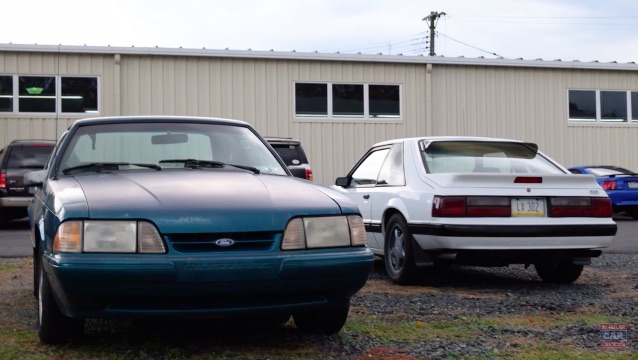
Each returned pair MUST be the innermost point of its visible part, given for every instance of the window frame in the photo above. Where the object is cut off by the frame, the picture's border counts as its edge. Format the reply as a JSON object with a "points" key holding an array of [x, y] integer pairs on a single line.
{"points": [[632, 114], [330, 117], [58, 97]]}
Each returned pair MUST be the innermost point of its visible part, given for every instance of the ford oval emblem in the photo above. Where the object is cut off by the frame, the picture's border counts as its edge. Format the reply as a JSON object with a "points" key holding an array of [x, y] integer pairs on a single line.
{"points": [[225, 242]]}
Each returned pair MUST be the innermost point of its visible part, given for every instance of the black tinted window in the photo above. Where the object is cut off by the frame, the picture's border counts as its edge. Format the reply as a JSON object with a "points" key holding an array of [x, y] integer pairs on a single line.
{"points": [[311, 99], [79, 94], [29, 156], [290, 154], [613, 105], [347, 100], [582, 104], [37, 93], [6, 93], [384, 101]]}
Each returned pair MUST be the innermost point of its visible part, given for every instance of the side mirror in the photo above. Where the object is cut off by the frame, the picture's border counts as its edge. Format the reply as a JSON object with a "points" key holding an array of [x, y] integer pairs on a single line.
{"points": [[343, 181], [35, 178]]}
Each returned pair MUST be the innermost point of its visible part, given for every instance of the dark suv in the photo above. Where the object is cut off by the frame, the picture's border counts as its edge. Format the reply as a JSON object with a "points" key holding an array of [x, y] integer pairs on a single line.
{"points": [[16, 159], [292, 154]]}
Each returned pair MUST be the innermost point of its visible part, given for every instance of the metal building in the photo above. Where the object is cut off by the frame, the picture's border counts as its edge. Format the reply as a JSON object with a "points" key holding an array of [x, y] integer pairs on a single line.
{"points": [[336, 104]]}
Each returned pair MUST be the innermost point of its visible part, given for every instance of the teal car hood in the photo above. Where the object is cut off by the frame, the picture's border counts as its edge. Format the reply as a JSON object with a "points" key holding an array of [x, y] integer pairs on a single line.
{"points": [[199, 200]]}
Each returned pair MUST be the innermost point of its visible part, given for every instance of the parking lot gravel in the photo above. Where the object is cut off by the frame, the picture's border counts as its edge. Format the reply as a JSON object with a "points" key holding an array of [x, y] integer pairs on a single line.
{"points": [[456, 312]]}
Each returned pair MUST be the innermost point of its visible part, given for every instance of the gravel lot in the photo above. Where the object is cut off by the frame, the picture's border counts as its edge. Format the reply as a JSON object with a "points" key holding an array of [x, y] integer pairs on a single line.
{"points": [[463, 312], [607, 288]]}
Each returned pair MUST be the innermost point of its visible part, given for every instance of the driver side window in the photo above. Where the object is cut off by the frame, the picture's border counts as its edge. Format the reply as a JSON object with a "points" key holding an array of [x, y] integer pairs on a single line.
{"points": [[367, 172]]}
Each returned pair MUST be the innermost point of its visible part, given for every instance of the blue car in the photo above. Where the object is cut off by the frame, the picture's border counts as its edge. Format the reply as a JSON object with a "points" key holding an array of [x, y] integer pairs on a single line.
{"points": [[168, 216], [620, 184]]}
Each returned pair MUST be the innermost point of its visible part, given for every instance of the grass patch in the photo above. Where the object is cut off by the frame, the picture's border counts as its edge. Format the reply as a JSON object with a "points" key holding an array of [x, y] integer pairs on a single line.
{"points": [[557, 352], [7, 266]]}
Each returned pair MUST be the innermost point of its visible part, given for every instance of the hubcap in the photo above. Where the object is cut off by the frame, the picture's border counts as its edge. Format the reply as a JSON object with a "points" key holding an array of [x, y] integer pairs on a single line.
{"points": [[397, 250]]}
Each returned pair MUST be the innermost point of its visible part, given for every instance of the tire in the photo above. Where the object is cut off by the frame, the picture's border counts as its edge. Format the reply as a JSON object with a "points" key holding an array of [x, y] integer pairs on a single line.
{"points": [[398, 252], [53, 326], [558, 273], [328, 321], [36, 272]]}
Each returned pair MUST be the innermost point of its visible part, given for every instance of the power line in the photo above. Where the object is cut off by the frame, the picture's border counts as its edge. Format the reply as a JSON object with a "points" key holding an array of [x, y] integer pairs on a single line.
{"points": [[461, 42]]}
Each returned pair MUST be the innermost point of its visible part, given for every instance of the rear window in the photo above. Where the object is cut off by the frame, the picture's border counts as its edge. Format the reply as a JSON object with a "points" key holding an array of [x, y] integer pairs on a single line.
{"points": [[290, 154], [31, 157], [484, 157]]}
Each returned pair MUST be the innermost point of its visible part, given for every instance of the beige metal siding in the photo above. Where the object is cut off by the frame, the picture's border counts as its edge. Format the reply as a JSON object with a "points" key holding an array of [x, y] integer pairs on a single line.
{"points": [[531, 105], [499, 101], [260, 92], [48, 126]]}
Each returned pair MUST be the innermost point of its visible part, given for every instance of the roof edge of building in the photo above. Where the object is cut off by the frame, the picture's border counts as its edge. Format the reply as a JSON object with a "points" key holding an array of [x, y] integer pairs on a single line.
{"points": [[317, 56]]}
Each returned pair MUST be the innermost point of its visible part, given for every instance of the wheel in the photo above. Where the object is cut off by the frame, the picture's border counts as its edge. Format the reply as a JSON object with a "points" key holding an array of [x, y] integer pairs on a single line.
{"points": [[559, 273], [328, 321], [398, 252], [53, 326]]}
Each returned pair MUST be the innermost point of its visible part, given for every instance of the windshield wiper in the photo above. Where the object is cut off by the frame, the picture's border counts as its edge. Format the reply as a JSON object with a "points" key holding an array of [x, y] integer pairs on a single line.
{"points": [[194, 163], [110, 166]]}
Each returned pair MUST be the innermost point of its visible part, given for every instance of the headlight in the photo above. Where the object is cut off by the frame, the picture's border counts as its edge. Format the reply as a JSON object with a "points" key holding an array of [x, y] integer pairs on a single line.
{"points": [[324, 232], [108, 237]]}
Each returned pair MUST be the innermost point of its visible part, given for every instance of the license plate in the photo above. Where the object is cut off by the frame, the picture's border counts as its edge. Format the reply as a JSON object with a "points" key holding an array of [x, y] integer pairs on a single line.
{"points": [[632, 185], [528, 207]]}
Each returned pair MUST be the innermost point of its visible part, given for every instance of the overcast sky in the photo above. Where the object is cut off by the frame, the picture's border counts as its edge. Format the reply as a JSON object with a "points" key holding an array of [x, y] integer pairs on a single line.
{"points": [[584, 30]]}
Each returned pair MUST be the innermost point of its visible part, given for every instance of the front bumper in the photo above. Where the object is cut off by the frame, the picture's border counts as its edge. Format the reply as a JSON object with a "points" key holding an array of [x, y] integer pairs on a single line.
{"points": [[89, 285]]}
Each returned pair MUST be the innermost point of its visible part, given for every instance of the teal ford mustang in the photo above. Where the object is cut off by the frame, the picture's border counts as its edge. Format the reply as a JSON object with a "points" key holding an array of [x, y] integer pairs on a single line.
{"points": [[184, 216]]}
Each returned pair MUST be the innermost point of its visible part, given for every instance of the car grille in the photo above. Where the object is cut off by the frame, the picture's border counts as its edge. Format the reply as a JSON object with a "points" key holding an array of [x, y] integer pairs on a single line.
{"points": [[206, 242]]}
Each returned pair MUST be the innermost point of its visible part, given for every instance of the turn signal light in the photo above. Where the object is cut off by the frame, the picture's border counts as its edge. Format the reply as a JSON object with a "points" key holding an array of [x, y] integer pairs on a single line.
{"points": [[3, 181], [309, 176]]}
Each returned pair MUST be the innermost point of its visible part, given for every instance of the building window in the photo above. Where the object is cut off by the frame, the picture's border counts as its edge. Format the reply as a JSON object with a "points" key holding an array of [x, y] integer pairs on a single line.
{"points": [[582, 105], [634, 106], [311, 99], [384, 101], [602, 106], [79, 95], [613, 105], [349, 101], [6, 93], [36, 94], [49, 94]]}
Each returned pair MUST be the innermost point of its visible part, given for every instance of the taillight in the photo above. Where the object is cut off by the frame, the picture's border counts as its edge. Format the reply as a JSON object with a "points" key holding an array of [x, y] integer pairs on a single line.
{"points": [[609, 185], [489, 206], [580, 207], [309, 174], [475, 206], [528, 180], [3, 181], [448, 206]]}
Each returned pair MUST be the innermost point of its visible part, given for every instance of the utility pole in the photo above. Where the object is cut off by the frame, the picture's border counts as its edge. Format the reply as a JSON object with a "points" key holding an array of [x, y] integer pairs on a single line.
{"points": [[431, 21]]}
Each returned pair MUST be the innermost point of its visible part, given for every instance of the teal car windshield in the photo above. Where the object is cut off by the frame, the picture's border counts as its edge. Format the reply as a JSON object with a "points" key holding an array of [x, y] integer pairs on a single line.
{"points": [[166, 145]]}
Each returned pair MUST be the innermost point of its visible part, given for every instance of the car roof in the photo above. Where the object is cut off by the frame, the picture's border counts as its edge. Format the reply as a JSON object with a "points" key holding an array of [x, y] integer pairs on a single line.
{"points": [[160, 118], [33, 142], [445, 138], [282, 140]]}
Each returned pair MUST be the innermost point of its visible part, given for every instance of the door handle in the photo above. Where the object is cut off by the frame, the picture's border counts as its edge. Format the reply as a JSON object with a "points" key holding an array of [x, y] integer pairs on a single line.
{"points": [[366, 196]]}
